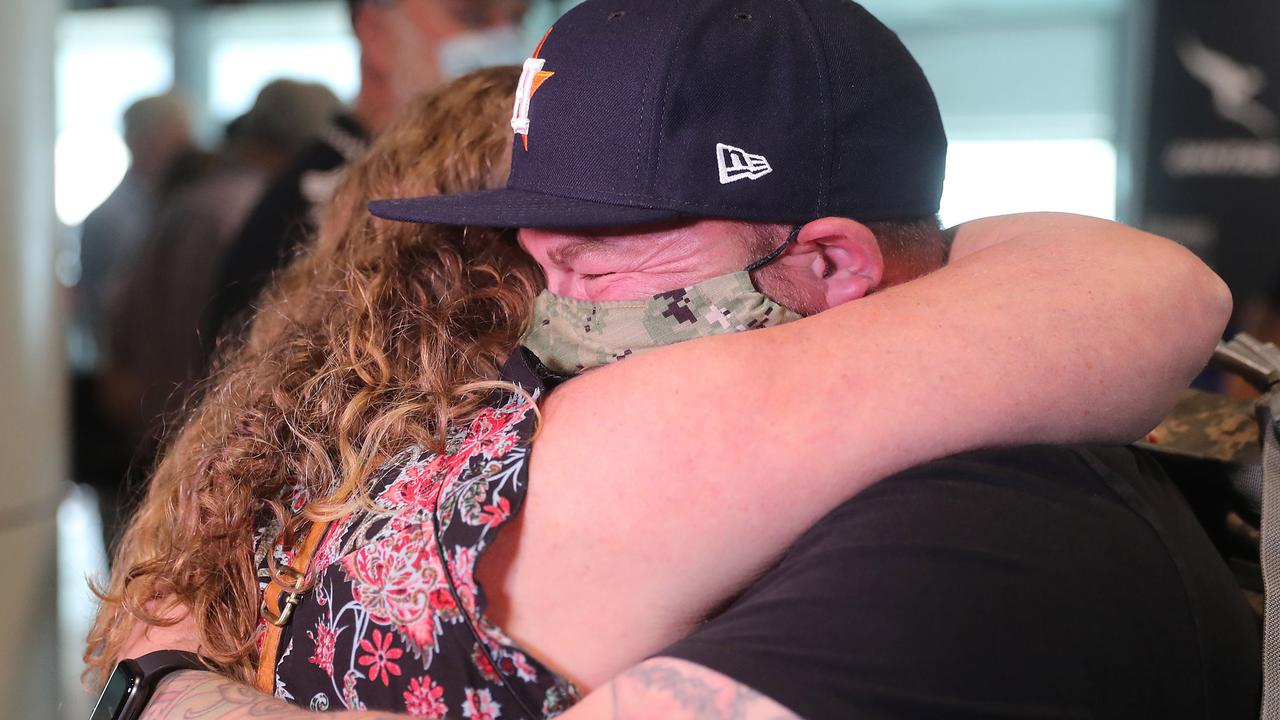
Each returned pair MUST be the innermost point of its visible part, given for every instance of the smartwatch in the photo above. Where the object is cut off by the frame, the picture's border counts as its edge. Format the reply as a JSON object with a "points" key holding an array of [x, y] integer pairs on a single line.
{"points": [[132, 682]]}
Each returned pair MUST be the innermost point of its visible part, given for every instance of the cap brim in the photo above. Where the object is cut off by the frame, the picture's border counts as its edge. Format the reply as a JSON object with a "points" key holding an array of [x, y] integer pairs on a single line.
{"points": [[510, 208]]}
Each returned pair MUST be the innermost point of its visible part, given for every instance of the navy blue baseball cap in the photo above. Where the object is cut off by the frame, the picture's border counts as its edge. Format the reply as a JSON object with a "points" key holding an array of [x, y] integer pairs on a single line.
{"points": [[634, 112]]}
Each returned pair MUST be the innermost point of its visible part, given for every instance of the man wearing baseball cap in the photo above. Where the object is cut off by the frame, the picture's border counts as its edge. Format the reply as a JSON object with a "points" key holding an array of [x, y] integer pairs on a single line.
{"points": [[724, 165]]}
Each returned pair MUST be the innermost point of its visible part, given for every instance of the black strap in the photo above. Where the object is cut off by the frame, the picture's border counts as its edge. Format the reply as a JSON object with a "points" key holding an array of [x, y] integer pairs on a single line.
{"points": [[157, 664], [764, 261]]}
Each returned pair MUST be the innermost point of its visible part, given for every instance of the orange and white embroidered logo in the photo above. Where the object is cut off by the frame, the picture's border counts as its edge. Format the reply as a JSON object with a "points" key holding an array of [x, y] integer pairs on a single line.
{"points": [[530, 81]]}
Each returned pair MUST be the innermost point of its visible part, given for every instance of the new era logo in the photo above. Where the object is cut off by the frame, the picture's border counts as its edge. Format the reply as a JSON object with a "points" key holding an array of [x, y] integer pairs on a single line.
{"points": [[738, 164]]}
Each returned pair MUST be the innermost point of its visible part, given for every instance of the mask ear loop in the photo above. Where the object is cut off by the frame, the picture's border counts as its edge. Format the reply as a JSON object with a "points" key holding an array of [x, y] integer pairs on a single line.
{"points": [[767, 259]]}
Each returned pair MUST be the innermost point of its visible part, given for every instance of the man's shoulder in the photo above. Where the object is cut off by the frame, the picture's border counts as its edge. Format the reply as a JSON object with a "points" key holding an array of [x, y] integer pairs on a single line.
{"points": [[120, 213], [1029, 497], [986, 482], [1046, 461], [940, 588], [325, 157], [285, 202], [319, 157]]}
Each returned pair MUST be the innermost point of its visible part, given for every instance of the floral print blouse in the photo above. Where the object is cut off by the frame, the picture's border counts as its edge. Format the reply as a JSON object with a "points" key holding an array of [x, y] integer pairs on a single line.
{"points": [[395, 620]]}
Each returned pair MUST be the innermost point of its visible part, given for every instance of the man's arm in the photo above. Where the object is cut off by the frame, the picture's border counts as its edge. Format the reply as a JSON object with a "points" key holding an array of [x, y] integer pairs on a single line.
{"points": [[658, 689], [661, 689], [207, 696], [1068, 329], [671, 689]]}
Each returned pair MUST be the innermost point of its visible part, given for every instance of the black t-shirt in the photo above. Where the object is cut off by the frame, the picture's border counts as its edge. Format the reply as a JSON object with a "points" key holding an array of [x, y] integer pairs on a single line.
{"points": [[280, 223], [1028, 583]]}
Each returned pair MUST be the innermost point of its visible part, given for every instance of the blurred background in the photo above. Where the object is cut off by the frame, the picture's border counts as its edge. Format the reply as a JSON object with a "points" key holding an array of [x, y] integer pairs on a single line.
{"points": [[140, 139]]}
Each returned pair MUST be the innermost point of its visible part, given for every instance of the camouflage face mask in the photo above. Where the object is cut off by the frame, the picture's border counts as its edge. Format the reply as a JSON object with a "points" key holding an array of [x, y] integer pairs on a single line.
{"points": [[571, 336]]}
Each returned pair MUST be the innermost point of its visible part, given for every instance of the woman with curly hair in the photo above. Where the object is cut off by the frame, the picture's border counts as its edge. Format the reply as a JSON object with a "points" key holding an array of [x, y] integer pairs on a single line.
{"points": [[380, 401]]}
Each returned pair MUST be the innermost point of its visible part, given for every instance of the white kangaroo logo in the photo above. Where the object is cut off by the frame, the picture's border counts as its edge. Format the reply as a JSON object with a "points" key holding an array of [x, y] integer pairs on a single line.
{"points": [[1235, 86]]}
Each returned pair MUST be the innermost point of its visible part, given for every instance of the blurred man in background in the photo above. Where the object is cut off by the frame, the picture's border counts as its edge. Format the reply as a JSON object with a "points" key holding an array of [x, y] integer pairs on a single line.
{"points": [[158, 134], [406, 46], [155, 353], [157, 131]]}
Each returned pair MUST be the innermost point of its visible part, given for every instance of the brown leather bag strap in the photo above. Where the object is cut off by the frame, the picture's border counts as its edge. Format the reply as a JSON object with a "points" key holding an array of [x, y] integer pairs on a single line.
{"points": [[278, 603]]}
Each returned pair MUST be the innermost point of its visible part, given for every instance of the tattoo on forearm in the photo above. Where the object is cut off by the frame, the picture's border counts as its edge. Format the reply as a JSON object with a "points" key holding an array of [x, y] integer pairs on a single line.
{"points": [[693, 694], [677, 689], [662, 688], [205, 696]]}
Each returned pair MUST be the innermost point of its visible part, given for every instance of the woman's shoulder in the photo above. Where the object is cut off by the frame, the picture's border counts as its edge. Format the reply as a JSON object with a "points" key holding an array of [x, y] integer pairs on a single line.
{"points": [[398, 618], [464, 489]]}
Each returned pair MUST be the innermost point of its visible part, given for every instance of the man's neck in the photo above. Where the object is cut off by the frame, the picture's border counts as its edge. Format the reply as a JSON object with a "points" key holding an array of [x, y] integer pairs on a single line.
{"points": [[377, 103], [371, 109]]}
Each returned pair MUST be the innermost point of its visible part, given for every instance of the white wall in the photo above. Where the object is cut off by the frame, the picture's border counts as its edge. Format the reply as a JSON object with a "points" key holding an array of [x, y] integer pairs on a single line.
{"points": [[32, 465]]}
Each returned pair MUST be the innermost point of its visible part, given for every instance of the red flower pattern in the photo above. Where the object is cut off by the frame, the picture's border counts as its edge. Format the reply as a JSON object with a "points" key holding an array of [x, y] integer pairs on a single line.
{"points": [[480, 705], [296, 497], [324, 638], [381, 657], [442, 601], [415, 489], [393, 579], [462, 566], [524, 670], [496, 514], [489, 436], [425, 699], [386, 569], [481, 660]]}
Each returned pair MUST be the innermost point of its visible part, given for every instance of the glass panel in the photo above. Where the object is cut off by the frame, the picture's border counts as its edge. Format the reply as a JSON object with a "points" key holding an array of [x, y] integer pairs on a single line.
{"points": [[251, 46], [106, 60], [999, 177]]}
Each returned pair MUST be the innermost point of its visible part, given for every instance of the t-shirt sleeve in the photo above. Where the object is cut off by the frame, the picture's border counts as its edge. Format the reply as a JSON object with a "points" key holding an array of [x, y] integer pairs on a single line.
{"points": [[1009, 584]]}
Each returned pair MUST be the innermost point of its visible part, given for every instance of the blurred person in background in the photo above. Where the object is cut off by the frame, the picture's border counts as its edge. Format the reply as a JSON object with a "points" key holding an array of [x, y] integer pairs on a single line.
{"points": [[406, 46], [158, 134], [155, 352]]}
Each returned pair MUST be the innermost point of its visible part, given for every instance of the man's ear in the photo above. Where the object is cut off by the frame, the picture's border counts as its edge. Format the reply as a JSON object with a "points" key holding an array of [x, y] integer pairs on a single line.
{"points": [[846, 258]]}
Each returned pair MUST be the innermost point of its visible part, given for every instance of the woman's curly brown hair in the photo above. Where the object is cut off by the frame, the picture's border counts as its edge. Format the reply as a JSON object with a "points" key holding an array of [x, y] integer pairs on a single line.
{"points": [[378, 337]]}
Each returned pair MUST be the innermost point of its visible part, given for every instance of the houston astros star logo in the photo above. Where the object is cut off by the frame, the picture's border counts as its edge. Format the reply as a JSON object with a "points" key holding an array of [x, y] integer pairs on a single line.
{"points": [[530, 81]]}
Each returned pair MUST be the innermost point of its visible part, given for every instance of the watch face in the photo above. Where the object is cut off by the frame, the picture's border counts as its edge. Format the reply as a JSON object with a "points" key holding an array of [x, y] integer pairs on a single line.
{"points": [[119, 687]]}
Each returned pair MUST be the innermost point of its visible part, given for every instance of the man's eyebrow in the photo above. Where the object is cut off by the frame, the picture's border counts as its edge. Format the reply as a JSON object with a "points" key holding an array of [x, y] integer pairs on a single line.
{"points": [[568, 252]]}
